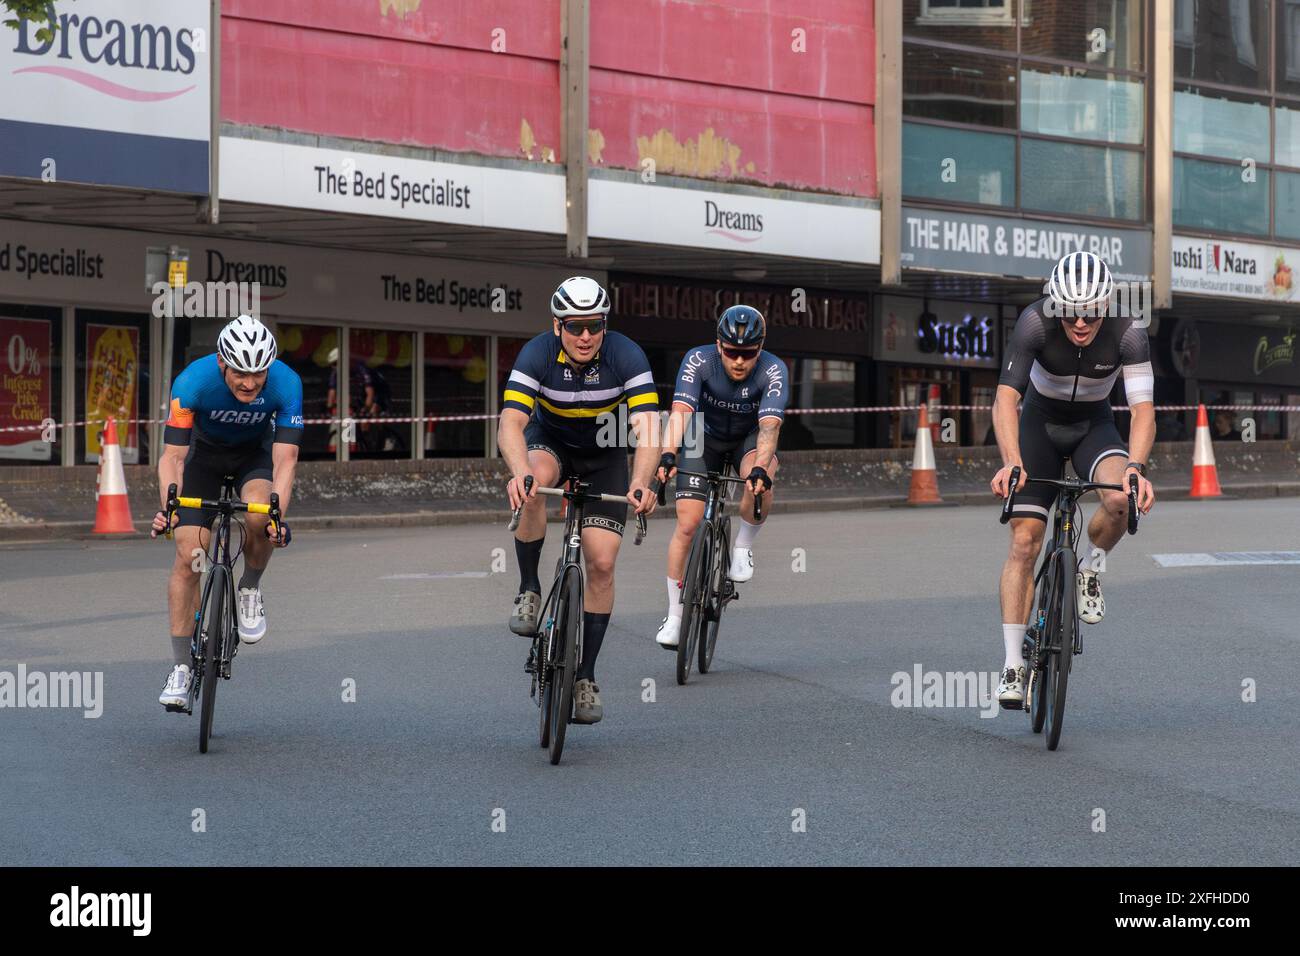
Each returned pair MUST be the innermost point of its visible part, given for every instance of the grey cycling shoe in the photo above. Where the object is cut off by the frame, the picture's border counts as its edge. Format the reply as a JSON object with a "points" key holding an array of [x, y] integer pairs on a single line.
{"points": [[523, 620], [586, 702]]}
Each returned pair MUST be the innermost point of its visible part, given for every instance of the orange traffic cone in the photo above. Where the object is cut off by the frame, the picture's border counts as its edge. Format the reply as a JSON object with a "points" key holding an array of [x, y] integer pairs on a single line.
{"points": [[932, 403], [925, 479], [1205, 473], [113, 509]]}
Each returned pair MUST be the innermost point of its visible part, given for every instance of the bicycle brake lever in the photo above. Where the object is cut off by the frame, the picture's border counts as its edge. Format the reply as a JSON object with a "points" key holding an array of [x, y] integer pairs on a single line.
{"points": [[1133, 513], [1011, 495], [515, 515]]}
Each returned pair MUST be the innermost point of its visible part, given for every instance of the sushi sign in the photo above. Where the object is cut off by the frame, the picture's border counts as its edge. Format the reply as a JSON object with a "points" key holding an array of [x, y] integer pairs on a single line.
{"points": [[1236, 269]]}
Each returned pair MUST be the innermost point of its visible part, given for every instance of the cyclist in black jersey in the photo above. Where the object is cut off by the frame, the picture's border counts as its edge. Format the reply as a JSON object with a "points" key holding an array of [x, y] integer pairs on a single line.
{"points": [[565, 381], [1065, 355]]}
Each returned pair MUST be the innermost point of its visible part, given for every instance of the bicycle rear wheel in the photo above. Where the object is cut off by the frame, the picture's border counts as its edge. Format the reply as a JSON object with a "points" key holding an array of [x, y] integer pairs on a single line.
{"points": [[211, 628], [568, 618], [714, 602], [694, 593], [1058, 668]]}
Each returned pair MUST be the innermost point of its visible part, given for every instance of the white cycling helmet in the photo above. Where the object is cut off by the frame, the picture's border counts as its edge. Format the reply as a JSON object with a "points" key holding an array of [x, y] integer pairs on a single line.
{"points": [[579, 295], [1079, 281], [246, 345]]}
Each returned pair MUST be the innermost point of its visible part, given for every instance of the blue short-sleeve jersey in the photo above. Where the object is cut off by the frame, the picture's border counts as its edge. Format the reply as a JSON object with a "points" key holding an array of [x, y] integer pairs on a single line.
{"points": [[731, 409], [202, 400]]}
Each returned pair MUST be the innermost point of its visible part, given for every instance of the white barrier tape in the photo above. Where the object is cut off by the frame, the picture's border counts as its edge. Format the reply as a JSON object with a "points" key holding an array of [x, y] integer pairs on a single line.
{"points": [[857, 409]]}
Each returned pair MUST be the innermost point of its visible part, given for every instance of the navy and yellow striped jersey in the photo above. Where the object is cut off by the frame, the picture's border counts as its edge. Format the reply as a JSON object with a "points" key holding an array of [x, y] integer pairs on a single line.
{"points": [[567, 399]]}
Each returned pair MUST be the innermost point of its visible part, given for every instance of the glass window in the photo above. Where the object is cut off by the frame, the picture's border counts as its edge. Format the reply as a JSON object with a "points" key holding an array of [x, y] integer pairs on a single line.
{"points": [[507, 351], [381, 384], [1222, 41], [31, 386], [819, 383], [983, 23], [1286, 123], [983, 168], [1212, 196], [113, 368], [1288, 46], [313, 352], [455, 383], [959, 87], [1100, 106], [1212, 123], [1081, 180], [1098, 32], [1286, 218]]}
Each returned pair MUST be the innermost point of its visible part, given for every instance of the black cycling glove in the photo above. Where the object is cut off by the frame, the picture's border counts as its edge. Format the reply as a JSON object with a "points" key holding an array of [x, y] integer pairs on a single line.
{"points": [[760, 474]]}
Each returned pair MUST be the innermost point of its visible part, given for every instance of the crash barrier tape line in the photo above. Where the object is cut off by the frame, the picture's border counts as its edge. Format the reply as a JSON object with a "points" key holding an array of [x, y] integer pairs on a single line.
{"points": [[789, 411]]}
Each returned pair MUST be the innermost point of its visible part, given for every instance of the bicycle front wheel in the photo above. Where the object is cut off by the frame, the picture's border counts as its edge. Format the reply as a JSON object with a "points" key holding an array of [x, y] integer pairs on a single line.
{"points": [[568, 618], [1058, 668], [694, 606], [714, 601], [211, 626]]}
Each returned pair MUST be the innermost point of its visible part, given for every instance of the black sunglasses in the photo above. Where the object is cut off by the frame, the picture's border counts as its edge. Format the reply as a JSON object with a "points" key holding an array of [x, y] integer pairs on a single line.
{"points": [[576, 327], [734, 354]]}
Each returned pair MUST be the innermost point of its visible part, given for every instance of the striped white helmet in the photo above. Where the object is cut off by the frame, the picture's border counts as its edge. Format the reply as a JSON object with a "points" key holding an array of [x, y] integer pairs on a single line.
{"points": [[1080, 280], [246, 345], [579, 295]]}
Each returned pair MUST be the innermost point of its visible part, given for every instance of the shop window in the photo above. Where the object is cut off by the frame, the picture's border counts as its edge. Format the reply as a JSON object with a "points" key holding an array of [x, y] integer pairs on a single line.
{"points": [[507, 351], [985, 23], [982, 165], [1211, 196], [1097, 32], [312, 351], [455, 383], [113, 380], [31, 383], [1081, 180], [381, 384], [819, 383], [1288, 46], [1286, 221], [1214, 123], [1097, 106], [1227, 40], [959, 86]]}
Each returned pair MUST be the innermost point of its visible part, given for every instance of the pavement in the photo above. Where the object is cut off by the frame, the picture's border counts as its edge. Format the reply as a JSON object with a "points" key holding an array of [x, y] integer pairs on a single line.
{"points": [[791, 751]]}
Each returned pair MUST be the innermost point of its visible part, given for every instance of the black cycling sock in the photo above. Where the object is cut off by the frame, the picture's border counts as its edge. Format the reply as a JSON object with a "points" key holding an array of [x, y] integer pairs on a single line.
{"points": [[593, 635], [251, 576], [529, 553], [181, 650]]}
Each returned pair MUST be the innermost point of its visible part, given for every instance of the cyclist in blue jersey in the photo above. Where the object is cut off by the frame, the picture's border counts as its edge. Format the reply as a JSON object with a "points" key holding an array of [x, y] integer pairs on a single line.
{"points": [[236, 412], [741, 390], [565, 381]]}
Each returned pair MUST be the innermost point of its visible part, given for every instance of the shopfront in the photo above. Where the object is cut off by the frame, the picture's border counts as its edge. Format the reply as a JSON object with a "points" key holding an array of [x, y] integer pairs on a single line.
{"points": [[372, 336], [934, 350], [823, 337]]}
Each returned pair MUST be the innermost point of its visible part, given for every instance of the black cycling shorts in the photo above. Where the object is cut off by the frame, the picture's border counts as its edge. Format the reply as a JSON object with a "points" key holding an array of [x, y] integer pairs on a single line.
{"points": [[1047, 440], [605, 469], [711, 455], [207, 464]]}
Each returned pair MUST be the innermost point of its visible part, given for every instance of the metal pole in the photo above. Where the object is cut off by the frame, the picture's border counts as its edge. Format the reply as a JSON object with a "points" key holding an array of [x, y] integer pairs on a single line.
{"points": [[574, 61]]}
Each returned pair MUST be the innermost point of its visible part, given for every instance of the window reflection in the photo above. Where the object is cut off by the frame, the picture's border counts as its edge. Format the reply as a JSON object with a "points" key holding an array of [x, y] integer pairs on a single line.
{"points": [[1213, 123], [1100, 106], [1212, 196], [984, 168], [1222, 41], [1085, 180]]}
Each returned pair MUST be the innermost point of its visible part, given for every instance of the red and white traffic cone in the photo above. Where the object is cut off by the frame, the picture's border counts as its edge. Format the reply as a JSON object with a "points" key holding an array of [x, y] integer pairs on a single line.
{"points": [[925, 477], [932, 401], [113, 508], [1205, 473]]}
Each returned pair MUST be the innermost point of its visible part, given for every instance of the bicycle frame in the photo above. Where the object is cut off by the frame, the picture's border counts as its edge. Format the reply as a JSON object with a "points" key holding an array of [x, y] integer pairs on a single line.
{"points": [[570, 557]]}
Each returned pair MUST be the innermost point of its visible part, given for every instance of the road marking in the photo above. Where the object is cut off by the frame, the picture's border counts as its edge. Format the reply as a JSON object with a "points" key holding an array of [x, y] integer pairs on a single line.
{"points": [[432, 575], [1206, 559]]}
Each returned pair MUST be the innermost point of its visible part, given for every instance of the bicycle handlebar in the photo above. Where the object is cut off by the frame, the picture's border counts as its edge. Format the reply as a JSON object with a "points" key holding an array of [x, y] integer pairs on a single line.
{"points": [[719, 477], [575, 496], [1082, 487], [231, 506]]}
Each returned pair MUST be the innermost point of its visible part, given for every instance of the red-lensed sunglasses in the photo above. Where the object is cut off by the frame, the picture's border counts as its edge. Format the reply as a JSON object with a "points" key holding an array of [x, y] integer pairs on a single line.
{"points": [[576, 327], [735, 354]]}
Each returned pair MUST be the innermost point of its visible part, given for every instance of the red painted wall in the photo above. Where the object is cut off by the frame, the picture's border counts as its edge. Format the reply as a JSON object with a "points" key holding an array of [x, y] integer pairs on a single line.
{"points": [[706, 88]]}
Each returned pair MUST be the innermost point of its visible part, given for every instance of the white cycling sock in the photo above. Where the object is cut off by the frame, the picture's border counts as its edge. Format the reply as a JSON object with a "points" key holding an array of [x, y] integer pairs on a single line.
{"points": [[745, 536], [1085, 559], [674, 598], [1013, 636]]}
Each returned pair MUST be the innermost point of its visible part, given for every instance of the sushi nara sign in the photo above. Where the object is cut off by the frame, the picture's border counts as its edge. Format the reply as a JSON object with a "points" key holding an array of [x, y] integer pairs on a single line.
{"points": [[1237, 269]]}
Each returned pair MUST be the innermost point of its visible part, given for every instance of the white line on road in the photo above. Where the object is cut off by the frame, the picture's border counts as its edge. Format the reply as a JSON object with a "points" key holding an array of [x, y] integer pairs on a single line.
{"points": [[1205, 559]]}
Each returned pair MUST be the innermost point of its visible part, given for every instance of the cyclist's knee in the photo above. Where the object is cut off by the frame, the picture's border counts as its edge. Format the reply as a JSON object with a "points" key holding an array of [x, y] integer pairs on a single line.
{"points": [[1115, 503], [687, 523], [1026, 540], [600, 566]]}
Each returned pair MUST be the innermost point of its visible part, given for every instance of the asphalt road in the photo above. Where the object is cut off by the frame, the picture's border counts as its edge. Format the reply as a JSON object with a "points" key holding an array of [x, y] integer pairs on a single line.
{"points": [[794, 725]]}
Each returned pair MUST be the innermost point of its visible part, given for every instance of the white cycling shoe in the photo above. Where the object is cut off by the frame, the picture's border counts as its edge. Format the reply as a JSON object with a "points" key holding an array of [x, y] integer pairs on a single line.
{"points": [[252, 615], [669, 632], [178, 689], [1092, 606], [742, 565], [1011, 688]]}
